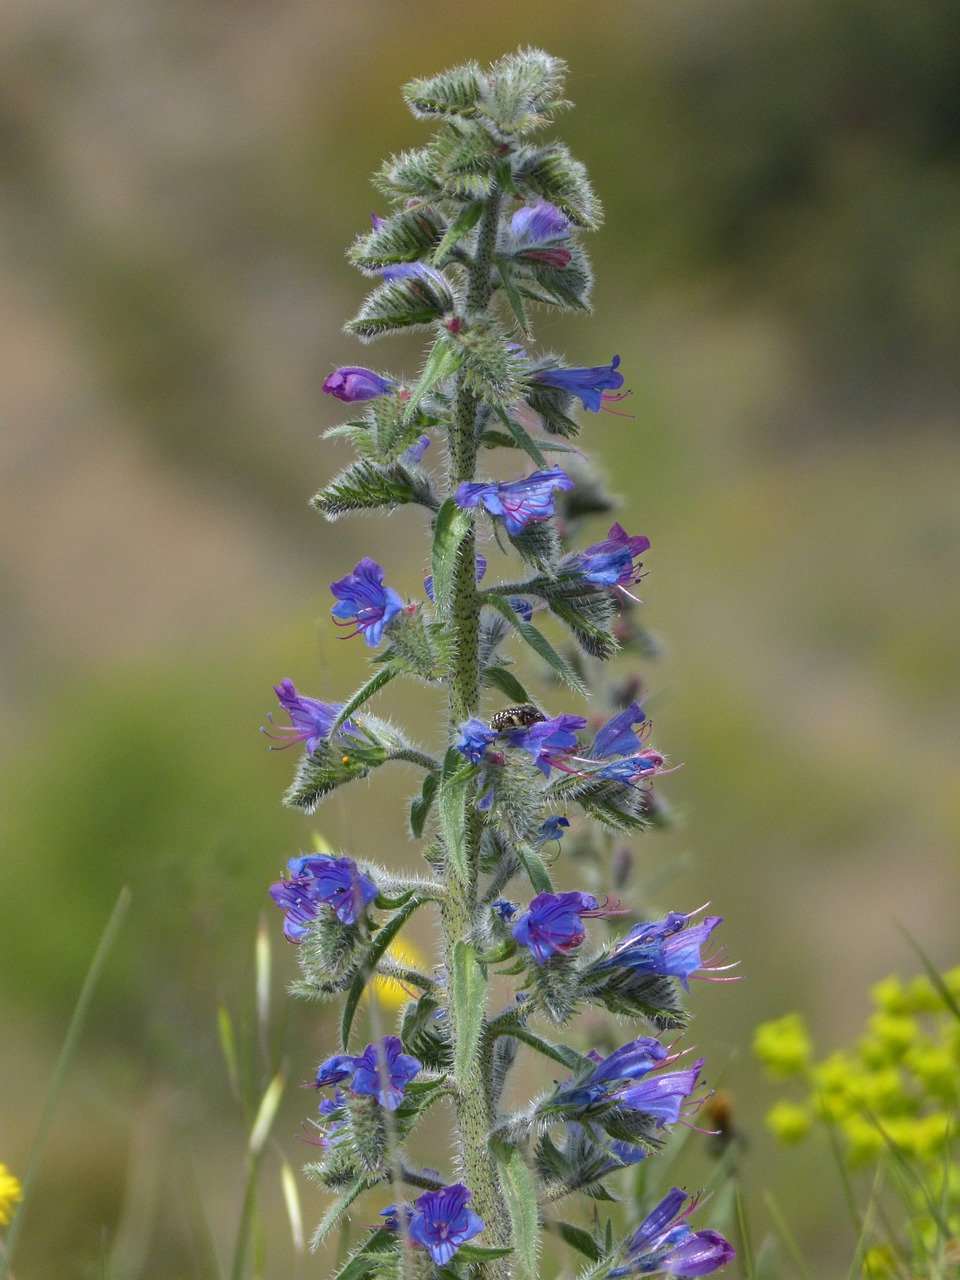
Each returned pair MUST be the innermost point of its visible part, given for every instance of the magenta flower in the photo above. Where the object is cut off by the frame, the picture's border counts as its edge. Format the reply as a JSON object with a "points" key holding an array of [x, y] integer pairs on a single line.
{"points": [[352, 384], [365, 603], [592, 387], [663, 1244], [553, 924], [517, 502], [310, 720], [442, 1221], [661, 1095]]}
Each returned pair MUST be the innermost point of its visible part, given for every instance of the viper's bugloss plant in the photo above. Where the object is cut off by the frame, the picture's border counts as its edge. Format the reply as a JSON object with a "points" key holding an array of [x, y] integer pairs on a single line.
{"points": [[484, 223], [893, 1102]]}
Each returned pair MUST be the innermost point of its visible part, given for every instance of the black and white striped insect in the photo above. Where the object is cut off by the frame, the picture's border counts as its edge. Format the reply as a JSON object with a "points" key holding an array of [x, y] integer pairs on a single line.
{"points": [[521, 717]]}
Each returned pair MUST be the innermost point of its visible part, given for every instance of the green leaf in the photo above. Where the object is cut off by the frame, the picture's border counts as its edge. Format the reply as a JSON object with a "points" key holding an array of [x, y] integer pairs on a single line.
{"points": [[369, 963], [578, 1239], [513, 297], [500, 678], [365, 486], [520, 1193], [538, 642], [369, 1258], [468, 986], [455, 92], [480, 1252], [403, 237], [561, 1053], [465, 221], [373, 685], [420, 808], [442, 361], [336, 1211], [532, 864], [449, 531], [329, 767], [410, 302], [522, 439], [453, 814]]}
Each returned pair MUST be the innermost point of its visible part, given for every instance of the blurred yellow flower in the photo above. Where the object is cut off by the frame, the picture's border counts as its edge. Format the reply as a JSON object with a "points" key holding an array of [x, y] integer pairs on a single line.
{"points": [[391, 993], [10, 1193]]}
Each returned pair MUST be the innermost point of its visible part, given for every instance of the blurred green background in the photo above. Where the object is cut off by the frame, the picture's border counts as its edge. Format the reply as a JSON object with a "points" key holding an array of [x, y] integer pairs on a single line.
{"points": [[780, 274]]}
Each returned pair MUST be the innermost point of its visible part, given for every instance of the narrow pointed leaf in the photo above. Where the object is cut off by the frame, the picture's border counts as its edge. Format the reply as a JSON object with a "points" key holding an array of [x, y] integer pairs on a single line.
{"points": [[375, 951], [442, 361], [465, 221], [420, 808], [532, 864], [578, 1239], [498, 677], [376, 682], [537, 641], [336, 1211], [450, 528], [468, 985], [453, 815], [520, 1193], [561, 1053]]}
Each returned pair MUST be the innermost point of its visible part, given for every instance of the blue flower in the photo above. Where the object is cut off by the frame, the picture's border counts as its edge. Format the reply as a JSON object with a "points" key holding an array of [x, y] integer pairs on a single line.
{"points": [[533, 231], [339, 1067], [383, 1071], [416, 450], [518, 502], [631, 769], [475, 737], [442, 1221], [590, 386], [664, 1244], [617, 737], [363, 600], [660, 1096], [317, 882], [504, 910], [310, 720], [352, 384], [551, 829], [630, 1062], [669, 947], [553, 924], [547, 739], [610, 563]]}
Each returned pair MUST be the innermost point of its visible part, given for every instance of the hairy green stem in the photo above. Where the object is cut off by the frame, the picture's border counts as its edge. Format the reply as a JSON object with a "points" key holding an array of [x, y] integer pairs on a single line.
{"points": [[459, 908]]}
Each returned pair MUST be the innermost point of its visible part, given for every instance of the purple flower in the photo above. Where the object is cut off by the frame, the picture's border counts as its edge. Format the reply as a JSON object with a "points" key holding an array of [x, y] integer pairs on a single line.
{"points": [[610, 563], [630, 1062], [383, 1071], [669, 947], [532, 231], [547, 739], [310, 721], [551, 829], [617, 737], [518, 502], [363, 600], [416, 450], [630, 770], [428, 580], [661, 1095], [522, 608], [590, 386], [415, 271], [442, 1222], [475, 737], [664, 1244], [317, 882], [352, 384], [553, 924], [339, 1067], [538, 223]]}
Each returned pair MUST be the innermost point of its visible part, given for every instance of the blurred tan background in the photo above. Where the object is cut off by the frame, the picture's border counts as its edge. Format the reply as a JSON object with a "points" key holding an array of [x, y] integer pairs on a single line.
{"points": [[780, 274]]}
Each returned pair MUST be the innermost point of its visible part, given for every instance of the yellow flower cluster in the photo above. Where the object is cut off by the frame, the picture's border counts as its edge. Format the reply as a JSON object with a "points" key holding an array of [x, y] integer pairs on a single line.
{"points": [[10, 1193], [896, 1093]]}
